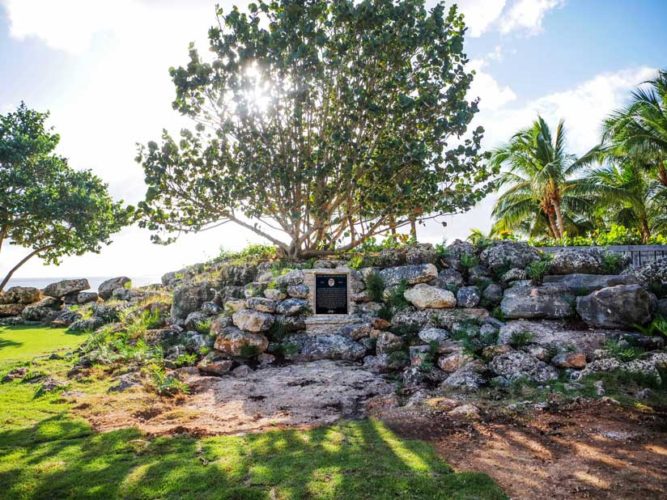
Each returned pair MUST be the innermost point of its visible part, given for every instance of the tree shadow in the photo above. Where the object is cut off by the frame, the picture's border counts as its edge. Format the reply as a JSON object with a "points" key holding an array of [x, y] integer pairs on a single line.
{"points": [[61, 457], [9, 343]]}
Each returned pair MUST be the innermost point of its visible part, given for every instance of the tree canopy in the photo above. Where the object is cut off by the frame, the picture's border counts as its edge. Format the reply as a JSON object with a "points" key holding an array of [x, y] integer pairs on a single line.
{"points": [[319, 125], [46, 205]]}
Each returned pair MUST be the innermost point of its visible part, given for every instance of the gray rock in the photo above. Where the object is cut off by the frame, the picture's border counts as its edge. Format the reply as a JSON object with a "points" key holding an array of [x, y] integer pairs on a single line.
{"points": [[11, 310], [253, 321], [554, 335], [214, 364], [514, 274], [86, 297], [20, 295], [324, 346], [420, 253], [65, 287], [298, 291], [196, 320], [85, 325], [449, 279], [455, 251], [290, 323], [467, 378], [424, 296], [649, 366], [292, 278], [453, 362], [388, 342], [106, 288], [413, 274], [616, 307], [432, 334], [357, 331], [492, 295], [509, 254], [661, 308], [211, 308], [436, 317], [575, 360], [533, 302], [517, 365], [292, 307], [234, 342], [652, 275], [261, 304], [583, 284], [384, 363], [241, 371], [578, 260], [190, 297], [65, 318], [255, 289], [125, 382], [468, 296], [275, 294]]}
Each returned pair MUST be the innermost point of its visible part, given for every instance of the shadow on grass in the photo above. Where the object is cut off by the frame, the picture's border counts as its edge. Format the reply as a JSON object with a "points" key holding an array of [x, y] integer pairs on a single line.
{"points": [[9, 343], [62, 457]]}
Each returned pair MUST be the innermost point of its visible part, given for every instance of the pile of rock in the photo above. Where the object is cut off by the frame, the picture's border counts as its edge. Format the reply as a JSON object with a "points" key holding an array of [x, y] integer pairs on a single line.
{"points": [[467, 318]]}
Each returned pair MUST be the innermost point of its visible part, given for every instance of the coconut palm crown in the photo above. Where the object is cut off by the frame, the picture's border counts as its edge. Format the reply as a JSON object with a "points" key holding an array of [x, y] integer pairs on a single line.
{"points": [[543, 196]]}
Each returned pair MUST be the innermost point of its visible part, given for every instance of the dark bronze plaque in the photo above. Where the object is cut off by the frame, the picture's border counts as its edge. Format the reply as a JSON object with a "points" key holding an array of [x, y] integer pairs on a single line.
{"points": [[331, 294]]}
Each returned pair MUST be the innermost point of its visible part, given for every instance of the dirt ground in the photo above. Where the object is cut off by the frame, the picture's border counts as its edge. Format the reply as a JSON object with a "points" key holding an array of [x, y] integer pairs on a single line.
{"points": [[585, 449], [581, 450]]}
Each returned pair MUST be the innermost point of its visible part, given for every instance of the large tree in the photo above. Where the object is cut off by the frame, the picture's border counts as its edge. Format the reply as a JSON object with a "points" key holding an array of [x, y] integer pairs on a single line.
{"points": [[640, 129], [47, 207], [543, 195], [320, 124]]}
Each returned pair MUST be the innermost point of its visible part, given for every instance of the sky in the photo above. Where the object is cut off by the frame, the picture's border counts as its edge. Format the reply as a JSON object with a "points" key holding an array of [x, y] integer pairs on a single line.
{"points": [[101, 68]]}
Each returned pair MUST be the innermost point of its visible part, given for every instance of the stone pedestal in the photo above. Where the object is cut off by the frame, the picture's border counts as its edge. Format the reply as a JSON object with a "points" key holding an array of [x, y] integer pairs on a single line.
{"points": [[328, 323]]}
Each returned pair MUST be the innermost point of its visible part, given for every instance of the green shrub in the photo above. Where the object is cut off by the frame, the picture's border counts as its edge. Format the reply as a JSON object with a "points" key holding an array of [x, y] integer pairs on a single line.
{"points": [[166, 385], [656, 327], [612, 263], [397, 298], [385, 312], [468, 261], [623, 351], [249, 351], [537, 269], [204, 326], [375, 286], [251, 253], [520, 339], [185, 359]]}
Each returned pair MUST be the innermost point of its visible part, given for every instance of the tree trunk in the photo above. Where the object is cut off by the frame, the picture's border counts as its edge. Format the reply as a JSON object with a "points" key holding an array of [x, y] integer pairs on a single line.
{"points": [[644, 229], [413, 228], [662, 174], [559, 219], [552, 225], [21, 262]]}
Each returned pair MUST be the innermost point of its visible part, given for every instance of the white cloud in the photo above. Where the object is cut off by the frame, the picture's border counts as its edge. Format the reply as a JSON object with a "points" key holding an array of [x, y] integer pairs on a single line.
{"points": [[492, 95], [527, 15], [481, 14]]}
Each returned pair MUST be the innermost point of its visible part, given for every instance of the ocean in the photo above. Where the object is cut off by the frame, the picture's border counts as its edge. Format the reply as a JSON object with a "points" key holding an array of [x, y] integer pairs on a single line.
{"points": [[94, 281]]}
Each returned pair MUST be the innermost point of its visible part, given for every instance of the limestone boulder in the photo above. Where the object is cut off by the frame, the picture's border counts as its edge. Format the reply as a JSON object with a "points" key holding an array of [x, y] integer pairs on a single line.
{"points": [[579, 261], [554, 335], [234, 342], [455, 251], [574, 360], [450, 279], [432, 334], [9, 310], [468, 378], [412, 274], [43, 310], [292, 307], [618, 306], [66, 287], [442, 318], [509, 254], [106, 288], [20, 295], [492, 295], [323, 346], [388, 342], [384, 363], [424, 296], [86, 297], [526, 301], [298, 291], [516, 365], [261, 304], [453, 362], [190, 297], [652, 275], [253, 321], [468, 296], [583, 284]]}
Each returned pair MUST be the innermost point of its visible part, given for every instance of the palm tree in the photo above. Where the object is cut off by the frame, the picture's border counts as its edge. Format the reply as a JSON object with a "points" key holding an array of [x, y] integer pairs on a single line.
{"points": [[641, 128], [624, 193], [539, 176]]}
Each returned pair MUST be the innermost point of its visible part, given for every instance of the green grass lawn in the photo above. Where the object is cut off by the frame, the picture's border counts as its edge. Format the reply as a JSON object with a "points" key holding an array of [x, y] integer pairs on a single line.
{"points": [[24, 343], [46, 452]]}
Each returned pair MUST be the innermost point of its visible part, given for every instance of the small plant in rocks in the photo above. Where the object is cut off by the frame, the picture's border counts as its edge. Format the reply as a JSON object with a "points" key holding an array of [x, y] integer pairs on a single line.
{"points": [[520, 339], [166, 385], [375, 286], [537, 269], [623, 351]]}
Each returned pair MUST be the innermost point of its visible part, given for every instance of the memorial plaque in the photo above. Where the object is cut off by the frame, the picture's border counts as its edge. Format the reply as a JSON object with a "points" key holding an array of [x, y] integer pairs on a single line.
{"points": [[331, 294]]}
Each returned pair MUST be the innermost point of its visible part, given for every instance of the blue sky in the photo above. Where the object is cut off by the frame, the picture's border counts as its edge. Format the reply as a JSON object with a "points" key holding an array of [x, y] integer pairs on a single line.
{"points": [[100, 67]]}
